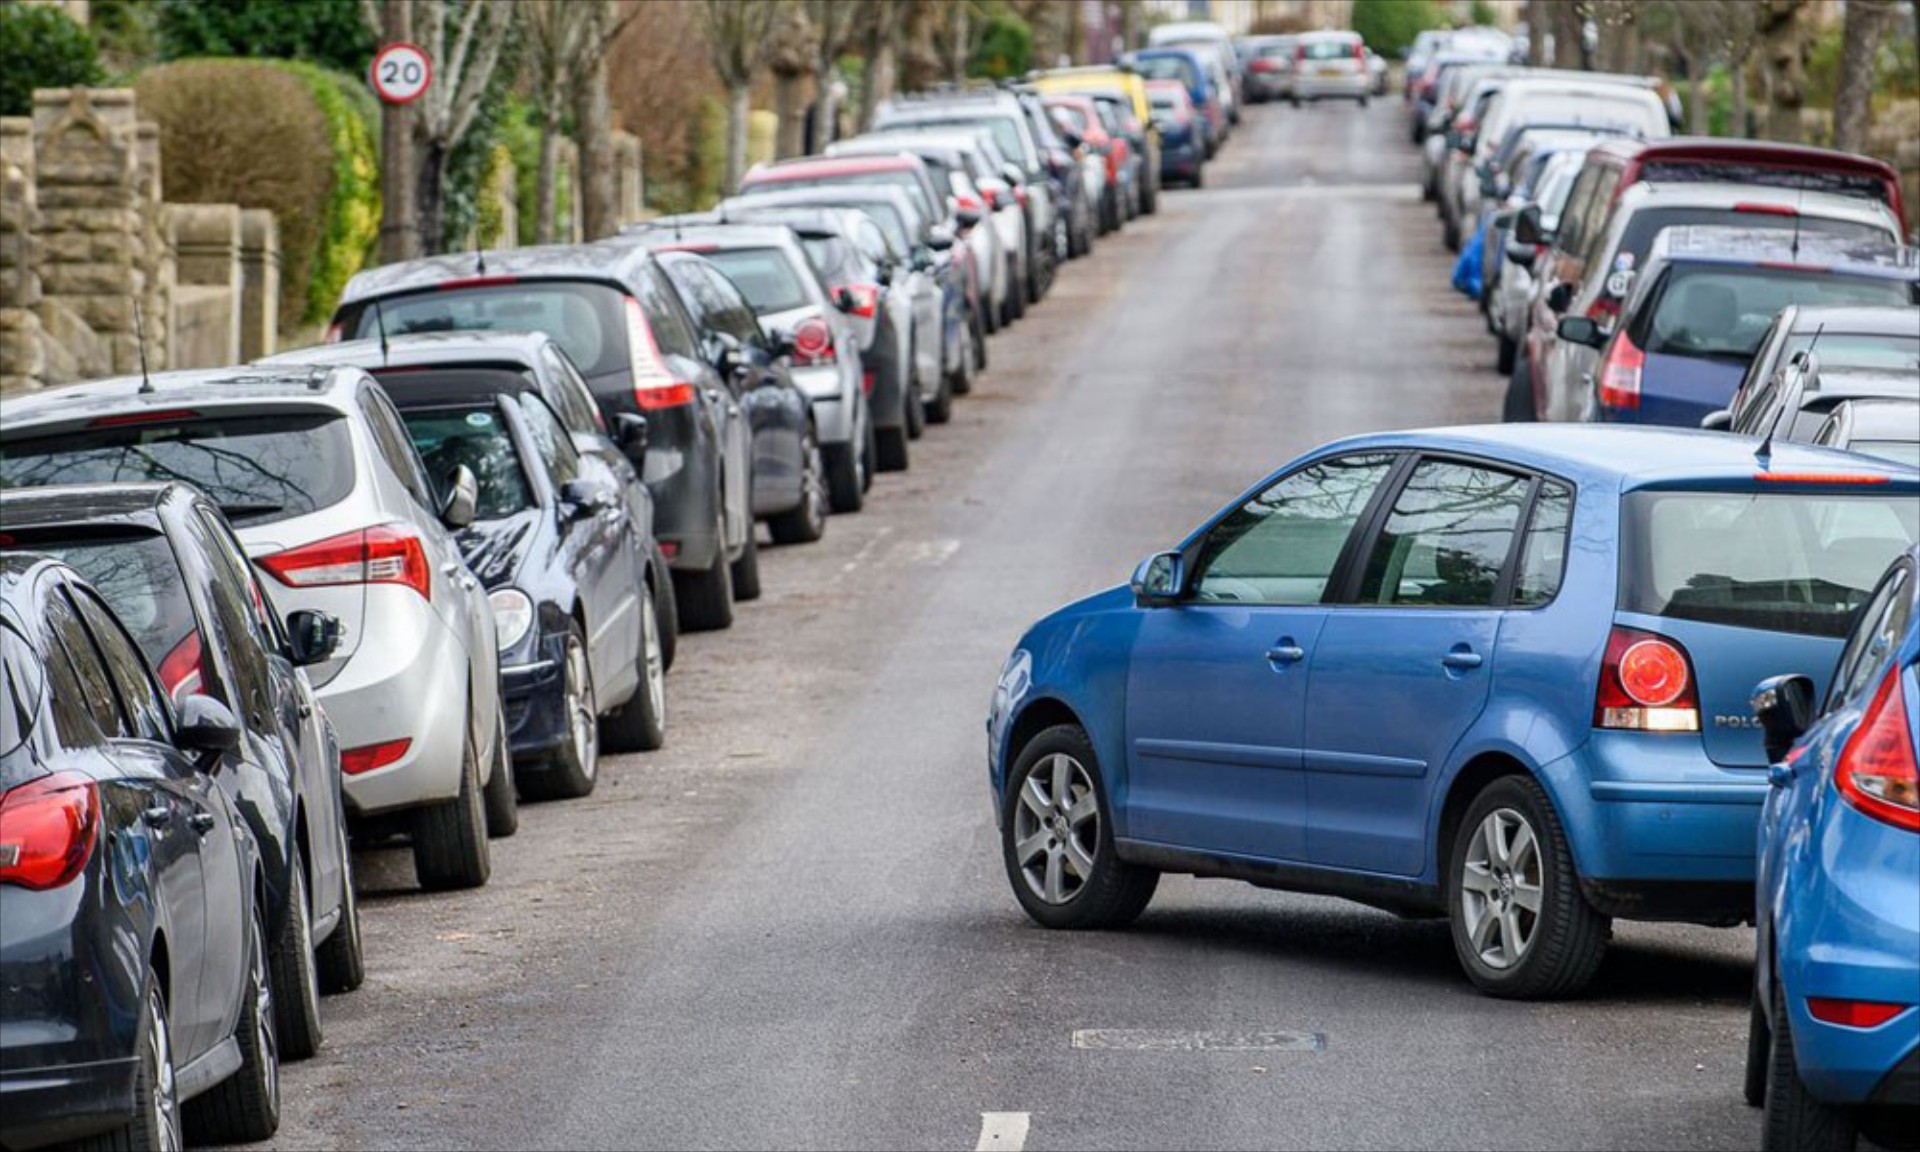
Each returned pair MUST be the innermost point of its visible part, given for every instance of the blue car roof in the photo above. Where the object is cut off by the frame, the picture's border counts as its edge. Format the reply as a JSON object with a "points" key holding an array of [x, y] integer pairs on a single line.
{"points": [[1629, 457]]}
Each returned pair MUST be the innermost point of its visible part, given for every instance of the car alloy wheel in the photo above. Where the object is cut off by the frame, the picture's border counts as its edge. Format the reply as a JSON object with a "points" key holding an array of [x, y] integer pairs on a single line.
{"points": [[1500, 888], [656, 665], [1057, 829], [164, 1097], [583, 720], [266, 1039]]}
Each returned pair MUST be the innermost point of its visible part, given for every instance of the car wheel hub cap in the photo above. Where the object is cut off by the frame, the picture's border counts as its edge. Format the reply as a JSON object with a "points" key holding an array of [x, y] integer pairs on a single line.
{"points": [[1057, 829], [580, 710], [656, 663], [1500, 888], [166, 1121]]}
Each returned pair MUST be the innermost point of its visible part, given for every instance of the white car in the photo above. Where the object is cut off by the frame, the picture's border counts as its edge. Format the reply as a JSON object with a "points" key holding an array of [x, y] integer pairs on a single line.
{"points": [[322, 484], [1331, 64]]}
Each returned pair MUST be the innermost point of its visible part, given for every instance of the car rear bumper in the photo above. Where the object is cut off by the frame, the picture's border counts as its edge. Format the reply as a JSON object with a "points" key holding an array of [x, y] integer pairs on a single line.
{"points": [[51, 1105], [833, 396], [685, 503], [1310, 87], [1658, 831]]}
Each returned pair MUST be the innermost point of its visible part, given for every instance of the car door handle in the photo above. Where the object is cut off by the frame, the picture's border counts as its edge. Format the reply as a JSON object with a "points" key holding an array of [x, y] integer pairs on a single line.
{"points": [[1461, 658], [158, 816], [201, 822], [1286, 652], [452, 568]]}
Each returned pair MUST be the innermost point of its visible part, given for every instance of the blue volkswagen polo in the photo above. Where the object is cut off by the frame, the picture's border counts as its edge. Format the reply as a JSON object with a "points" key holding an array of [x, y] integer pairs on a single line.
{"points": [[1834, 1047], [1496, 674]]}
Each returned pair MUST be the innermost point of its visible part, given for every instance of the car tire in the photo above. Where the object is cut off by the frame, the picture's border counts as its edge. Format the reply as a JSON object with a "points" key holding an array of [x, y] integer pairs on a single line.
{"points": [[1150, 198], [1450, 233], [1509, 351], [914, 414], [939, 410], [246, 1105], [297, 1007], [1054, 790], [1794, 1120], [156, 1103], [640, 725], [1518, 406], [746, 569], [1199, 176], [869, 457], [979, 340], [806, 521], [706, 598], [845, 492], [890, 449], [450, 837], [667, 606], [340, 962], [1557, 954], [1363, 101], [572, 769], [501, 801], [1753, 1087]]}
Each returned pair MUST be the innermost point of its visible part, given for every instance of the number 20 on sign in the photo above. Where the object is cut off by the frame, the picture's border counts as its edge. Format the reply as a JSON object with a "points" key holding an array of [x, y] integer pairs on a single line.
{"points": [[401, 73]]}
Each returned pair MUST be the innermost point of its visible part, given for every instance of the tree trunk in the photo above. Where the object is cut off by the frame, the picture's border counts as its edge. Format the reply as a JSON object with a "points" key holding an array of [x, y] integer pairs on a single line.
{"points": [[737, 111], [593, 120], [788, 114], [877, 82], [1866, 23], [1567, 49], [1696, 96], [1742, 115], [826, 128], [1539, 23], [432, 185], [399, 230], [1784, 56], [546, 210]]}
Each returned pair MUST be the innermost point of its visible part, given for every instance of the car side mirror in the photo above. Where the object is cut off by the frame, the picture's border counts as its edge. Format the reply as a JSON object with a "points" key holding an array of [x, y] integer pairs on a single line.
{"points": [[922, 259], [1581, 330], [883, 273], [967, 217], [734, 363], [1520, 254], [780, 342], [1526, 225], [1159, 580], [1719, 420], [312, 636], [1784, 707], [462, 500], [844, 301], [583, 498], [940, 238], [207, 731], [630, 429], [1559, 296], [1013, 174]]}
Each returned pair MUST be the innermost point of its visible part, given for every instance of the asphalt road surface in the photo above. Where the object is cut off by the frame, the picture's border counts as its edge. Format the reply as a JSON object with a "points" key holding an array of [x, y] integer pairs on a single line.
{"points": [[791, 927]]}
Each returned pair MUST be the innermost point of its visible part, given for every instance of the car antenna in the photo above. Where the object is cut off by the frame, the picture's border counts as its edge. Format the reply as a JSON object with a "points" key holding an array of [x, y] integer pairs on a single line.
{"points": [[1792, 395], [140, 338], [380, 322]]}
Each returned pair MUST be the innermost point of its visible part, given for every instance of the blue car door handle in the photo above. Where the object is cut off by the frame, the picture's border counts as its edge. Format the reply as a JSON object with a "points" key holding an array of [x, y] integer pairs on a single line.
{"points": [[1461, 657], [1285, 651]]}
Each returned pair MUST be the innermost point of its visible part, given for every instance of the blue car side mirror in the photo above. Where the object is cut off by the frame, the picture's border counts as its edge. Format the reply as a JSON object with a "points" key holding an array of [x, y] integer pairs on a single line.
{"points": [[1784, 707], [1159, 580]]}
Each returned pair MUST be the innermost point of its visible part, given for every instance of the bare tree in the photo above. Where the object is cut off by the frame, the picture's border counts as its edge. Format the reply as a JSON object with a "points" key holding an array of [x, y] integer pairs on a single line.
{"points": [[464, 44], [1866, 24], [555, 33], [737, 36], [835, 23]]}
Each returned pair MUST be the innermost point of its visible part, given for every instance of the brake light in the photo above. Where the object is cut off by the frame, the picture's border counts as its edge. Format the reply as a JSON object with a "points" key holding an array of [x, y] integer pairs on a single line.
{"points": [[1620, 374], [866, 382], [384, 554], [1646, 685], [866, 299], [653, 386], [1852, 1013], [1819, 478], [813, 343], [476, 282], [367, 757], [183, 670], [47, 828], [1262, 65], [150, 416], [1757, 209], [1876, 770], [669, 548], [1020, 195], [1360, 54], [968, 202]]}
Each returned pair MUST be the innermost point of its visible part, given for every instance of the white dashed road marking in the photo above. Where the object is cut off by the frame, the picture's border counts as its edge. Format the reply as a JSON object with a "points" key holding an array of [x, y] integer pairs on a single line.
{"points": [[1160, 1040], [1002, 1132]]}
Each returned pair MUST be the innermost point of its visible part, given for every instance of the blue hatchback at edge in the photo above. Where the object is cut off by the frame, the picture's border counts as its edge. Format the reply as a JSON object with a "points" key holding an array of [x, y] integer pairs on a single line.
{"points": [[1834, 1045], [1495, 674]]}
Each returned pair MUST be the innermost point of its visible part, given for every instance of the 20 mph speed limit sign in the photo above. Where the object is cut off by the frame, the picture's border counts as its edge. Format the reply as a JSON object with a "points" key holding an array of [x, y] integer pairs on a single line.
{"points": [[401, 72]]}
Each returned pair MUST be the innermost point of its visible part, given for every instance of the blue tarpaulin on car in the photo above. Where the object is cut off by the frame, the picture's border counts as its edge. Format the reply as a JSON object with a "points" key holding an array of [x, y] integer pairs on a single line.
{"points": [[1470, 270]]}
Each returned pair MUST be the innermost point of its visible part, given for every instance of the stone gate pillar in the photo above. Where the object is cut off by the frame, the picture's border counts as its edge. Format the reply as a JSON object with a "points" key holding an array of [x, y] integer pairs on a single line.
{"points": [[23, 363], [89, 204]]}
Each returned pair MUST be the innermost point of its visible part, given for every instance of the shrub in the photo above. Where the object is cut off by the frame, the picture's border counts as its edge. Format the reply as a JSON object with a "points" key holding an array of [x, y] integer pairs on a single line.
{"points": [[42, 48], [1006, 48], [288, 137], [331, 33], [1389, 26]]}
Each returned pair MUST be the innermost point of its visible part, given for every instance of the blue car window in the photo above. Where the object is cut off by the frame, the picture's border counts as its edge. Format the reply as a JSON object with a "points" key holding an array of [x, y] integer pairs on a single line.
{"points": [[1447, 539], [1543, 555], [1281, 547]]}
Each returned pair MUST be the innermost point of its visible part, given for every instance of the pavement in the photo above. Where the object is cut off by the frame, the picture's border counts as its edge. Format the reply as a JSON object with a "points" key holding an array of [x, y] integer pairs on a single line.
{"points": [[791, 928]]}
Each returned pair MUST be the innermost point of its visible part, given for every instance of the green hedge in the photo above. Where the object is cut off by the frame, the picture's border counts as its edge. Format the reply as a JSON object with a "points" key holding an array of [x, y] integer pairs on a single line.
{"points": [[42, 47], [352, 226]]}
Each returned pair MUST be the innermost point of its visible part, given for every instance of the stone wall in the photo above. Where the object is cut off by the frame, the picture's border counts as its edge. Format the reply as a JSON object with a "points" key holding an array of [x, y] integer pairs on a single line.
{"points": [[94, 262]]}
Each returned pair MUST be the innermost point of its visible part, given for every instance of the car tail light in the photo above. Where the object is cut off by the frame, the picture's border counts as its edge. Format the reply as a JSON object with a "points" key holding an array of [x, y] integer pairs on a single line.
{"points": [[813, 343], [47, 829], [384, 554], [183, 669], [367, 757], [1756, 209], [1876, 771], [1360, 54], [653, 386], [669, 548], [866, 382], [149, 416], [866, 298], [1020, 195], [1646, 685], [968, 202], [1852, 1013], [1299, 53], [1820, 477], [1620, 373], [1262, 65]]}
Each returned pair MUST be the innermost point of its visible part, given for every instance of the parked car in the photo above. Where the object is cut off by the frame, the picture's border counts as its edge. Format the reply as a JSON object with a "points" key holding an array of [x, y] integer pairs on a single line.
{"points": [[625, 327], [1185, 66], [1330, 64], [1698, 309], [1622, 105], [1376, 73], [1596, 257], [1115, 82], [1183, 153], [314, 469], [1077, 119], [1214, 45], [1269, 71], [1510, 293], [1075, 225], [1797, 400], [1833, 1047], [1887, 427], [789, 469], [167, 565], [1875, 338], [566, 573], [136, 1000], [1494, 674], [516, 362]]}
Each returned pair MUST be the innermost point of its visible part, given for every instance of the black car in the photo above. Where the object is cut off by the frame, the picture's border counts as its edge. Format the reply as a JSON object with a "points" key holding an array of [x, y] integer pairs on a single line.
{"points": [[566, 574], [789, 471], [134, 983], [167, 564], [624, 324], [515, 362]]}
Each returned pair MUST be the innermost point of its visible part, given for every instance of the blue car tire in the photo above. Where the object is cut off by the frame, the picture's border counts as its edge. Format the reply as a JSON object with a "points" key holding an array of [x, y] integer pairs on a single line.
{"points": [[1759, 1042], [1795, 1120], [1057, 839]]}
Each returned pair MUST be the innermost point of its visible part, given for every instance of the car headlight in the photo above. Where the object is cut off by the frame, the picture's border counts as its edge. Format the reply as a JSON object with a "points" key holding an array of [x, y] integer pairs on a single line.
{"points": [[512, 615]]}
